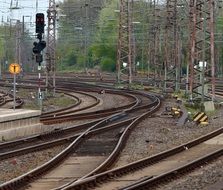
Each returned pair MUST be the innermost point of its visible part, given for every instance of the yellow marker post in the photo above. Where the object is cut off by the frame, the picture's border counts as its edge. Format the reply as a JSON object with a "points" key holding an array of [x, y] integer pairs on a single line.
{"points": [[14, 69]]}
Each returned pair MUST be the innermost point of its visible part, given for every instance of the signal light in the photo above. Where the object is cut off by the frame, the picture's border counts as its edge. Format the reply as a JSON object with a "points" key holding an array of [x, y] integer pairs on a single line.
{"points": [[39, 58], [38, 47], [40, 23]]}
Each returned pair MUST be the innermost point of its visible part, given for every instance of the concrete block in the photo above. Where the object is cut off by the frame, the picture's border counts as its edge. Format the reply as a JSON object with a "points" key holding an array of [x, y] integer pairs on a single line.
{"points": [[209, 106]]}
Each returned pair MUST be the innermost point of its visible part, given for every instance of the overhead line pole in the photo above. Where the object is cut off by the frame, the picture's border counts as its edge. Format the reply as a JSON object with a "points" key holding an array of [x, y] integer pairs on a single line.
{"points": [[51, 45], [202, 53], [18, 42], [124, 50]]}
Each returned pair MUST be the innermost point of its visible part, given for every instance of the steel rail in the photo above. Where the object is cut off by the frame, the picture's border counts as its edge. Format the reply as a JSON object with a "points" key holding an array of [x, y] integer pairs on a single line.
{"points": [[175, 173], [51, 134], [93, 114], [64, 111], [114, 173], [89, 115], [45, 145], [29, 176], [155, 105], [24, 179], [66, 92], [2, 98]]}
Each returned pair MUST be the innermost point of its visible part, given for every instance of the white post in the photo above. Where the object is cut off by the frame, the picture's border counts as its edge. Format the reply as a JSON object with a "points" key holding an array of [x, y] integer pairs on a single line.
{"points": [[14, 90]]}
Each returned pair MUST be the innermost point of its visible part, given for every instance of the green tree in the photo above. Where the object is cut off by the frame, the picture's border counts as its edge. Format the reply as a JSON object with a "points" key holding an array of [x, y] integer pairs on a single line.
{"points": [[76, 31], [103, 50]]}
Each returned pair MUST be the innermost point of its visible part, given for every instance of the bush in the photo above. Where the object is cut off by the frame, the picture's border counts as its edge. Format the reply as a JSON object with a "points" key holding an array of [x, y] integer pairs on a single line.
{"points": [[107, 64]]}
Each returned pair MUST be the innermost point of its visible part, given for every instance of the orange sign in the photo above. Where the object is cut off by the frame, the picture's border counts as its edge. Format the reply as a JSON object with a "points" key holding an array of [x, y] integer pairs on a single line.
{"points": [[14, 68]]}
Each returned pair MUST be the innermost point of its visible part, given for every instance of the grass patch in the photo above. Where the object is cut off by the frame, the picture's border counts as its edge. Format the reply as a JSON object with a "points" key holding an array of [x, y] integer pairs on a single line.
{"points": [[57, 102]]}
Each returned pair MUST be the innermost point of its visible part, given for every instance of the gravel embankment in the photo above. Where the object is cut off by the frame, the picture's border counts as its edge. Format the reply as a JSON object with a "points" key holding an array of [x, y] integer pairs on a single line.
{"points": [[201, 179], [151, 136], [157, 134]]}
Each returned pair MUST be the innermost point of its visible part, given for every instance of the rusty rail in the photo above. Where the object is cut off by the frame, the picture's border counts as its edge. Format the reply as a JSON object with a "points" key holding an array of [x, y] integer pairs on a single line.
{"points": [[99, 178], [94, 114], [26, 178], [48, 144], [140, 185]]}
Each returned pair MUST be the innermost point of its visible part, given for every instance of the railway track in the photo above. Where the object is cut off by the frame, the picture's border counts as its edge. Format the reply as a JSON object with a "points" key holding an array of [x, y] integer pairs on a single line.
{"points": [[48, 139], [6, 100], [144, 183], [91, 77], [88, 132], [79, 97], [144, 174], [51, 139], [71, 114]]}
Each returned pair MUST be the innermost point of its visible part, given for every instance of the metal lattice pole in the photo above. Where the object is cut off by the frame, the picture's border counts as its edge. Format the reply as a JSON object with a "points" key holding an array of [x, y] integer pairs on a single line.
{"points": [[202, 64], [171, 38], [154, 39], [124, 52], [51, 45]]}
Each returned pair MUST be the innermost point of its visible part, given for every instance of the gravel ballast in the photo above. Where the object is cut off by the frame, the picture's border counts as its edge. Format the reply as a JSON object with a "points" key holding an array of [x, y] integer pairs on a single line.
{"points": [[158, 134], [153, 135]]}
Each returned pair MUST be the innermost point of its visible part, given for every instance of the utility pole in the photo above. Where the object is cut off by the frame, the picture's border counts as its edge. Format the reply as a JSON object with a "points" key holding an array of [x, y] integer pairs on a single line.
{"points": [[124, 52], [149, 52], [171, 62], [154, 39], [202, 47], [86, 5], [51, 45], [18, 42]]}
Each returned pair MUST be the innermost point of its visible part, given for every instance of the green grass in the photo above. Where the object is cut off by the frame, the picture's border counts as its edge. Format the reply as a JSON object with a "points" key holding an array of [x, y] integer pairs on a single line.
{"points": [[59, 101]]}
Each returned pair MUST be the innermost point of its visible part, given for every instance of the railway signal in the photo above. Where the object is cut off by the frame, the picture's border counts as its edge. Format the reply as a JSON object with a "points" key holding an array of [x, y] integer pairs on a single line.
{"points": [[40, 23], [38, 47]]}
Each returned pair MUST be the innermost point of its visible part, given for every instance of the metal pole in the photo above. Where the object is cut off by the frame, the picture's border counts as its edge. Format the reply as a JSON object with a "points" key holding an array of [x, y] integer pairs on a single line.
{"points": [[130, 60], [203, 62], [14, 90], [1, 62], [51, 44], [211, 24], [187, 79], [85, 36], [165, 77], [23, 24], [192, 45], [39, 88]]}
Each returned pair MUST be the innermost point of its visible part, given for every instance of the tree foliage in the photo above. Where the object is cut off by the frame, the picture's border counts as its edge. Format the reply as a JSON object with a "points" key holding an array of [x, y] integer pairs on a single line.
{"points": [[76, 31], [7, 50], [103, 50], [89, 31]]}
